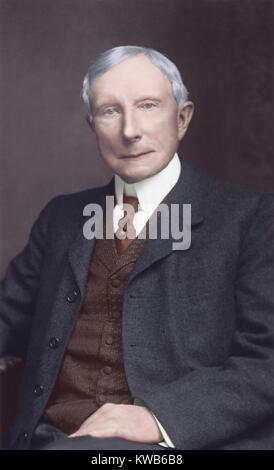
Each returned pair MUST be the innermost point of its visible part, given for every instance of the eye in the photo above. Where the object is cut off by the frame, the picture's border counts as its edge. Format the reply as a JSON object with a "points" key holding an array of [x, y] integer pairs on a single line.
{"points": [[109, 111], [148, 105]]}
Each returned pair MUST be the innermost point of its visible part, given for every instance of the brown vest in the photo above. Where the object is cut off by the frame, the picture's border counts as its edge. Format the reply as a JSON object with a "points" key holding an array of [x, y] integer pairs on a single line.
{"points": [[92, 371]]}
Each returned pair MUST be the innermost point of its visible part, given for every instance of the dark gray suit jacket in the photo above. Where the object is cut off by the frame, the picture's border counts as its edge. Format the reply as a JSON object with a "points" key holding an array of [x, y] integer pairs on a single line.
{"points": [[198, 325]]}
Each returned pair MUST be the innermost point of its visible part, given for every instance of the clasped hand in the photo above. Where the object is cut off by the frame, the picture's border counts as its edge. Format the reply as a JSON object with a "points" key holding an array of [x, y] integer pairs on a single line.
{"points": [[131, 422]]}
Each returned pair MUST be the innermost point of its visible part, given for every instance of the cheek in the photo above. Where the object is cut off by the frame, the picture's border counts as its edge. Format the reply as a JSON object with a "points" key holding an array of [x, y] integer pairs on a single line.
{"points": [[106, 139], [166, 135], [164, 125]]}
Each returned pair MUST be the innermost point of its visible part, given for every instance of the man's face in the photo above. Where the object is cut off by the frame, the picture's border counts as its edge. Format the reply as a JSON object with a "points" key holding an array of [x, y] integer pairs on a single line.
{"points": [[135, 118]]}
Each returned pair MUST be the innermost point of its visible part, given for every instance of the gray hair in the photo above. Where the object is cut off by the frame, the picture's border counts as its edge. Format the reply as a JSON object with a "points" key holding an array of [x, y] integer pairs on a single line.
{"points": [[114, 56]]}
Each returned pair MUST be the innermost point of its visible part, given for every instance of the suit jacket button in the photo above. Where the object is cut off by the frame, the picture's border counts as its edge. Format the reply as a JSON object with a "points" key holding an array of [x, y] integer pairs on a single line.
{"points": [[54, 342], [25, 436], [107, 370], [72, 296], [38, 390]]}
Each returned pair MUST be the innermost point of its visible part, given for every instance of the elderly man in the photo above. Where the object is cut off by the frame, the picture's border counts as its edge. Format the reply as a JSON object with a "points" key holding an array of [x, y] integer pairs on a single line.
{"points": [[128, 342]]}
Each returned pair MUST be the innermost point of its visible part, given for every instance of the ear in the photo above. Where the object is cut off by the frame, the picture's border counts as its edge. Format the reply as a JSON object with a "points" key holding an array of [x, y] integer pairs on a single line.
{"points": [[90, 122], [185, 113]]}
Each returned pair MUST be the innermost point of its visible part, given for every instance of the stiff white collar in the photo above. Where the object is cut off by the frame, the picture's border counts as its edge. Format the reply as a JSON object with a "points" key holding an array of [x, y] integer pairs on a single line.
{"points": [[150, 191]]}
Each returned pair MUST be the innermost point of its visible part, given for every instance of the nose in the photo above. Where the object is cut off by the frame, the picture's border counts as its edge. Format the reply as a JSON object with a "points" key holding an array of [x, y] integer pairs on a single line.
{"points": [[131, 129]]}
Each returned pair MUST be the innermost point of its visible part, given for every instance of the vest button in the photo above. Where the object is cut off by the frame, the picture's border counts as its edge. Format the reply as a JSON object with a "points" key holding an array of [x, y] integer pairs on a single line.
{"points": [[109, 340], [54, 342], [72, 296], [102, 398], [115, 282], [25, 436], [38, 390], [107, 370], [116, 314]]}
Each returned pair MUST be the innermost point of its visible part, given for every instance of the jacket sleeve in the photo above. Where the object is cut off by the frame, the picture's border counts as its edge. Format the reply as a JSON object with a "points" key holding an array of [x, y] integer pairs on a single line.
{"points": [[167, 441], [211, 407], [18, 290]]}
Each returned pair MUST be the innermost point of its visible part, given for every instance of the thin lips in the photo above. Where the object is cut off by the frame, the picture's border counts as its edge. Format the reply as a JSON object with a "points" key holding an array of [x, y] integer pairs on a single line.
{"points": [[137, 154]]}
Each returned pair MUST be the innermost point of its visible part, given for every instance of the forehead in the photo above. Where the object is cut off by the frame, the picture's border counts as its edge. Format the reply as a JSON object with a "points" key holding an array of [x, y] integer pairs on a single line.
{"points": [[131, 78]]}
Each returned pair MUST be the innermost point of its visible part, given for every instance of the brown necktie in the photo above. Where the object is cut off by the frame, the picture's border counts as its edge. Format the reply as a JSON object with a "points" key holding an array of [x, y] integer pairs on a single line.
{"points": [[126, 228]]}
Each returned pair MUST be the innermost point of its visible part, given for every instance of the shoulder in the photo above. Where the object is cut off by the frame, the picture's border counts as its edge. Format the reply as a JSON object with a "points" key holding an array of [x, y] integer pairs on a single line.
{"points": [[231, 196], [68, 208], [69, 201]]}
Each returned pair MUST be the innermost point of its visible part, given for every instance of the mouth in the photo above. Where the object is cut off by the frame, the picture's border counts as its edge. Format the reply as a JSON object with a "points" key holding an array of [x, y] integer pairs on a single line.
{"points": [[136, 155]]}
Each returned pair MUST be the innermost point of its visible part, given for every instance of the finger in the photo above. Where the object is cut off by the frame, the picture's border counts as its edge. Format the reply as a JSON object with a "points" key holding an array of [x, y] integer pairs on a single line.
{"points": [[78, 434]]}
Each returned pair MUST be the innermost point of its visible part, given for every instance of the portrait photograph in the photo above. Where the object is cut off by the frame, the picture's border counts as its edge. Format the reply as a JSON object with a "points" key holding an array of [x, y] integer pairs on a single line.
{"points": [[137, 226]]}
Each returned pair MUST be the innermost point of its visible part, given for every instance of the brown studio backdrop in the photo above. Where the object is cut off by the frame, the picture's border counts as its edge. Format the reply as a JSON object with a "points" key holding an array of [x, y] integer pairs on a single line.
{"points": [[224, 49]]}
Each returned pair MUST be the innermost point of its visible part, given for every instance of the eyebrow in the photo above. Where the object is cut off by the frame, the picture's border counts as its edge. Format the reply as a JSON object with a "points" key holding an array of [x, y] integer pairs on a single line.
{"points": [[148, 97], [113, 101]]}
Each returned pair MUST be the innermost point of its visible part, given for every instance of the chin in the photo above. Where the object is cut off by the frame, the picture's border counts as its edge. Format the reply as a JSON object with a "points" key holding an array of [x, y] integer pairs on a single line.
{"points": [[131, 179], [138, 176]]}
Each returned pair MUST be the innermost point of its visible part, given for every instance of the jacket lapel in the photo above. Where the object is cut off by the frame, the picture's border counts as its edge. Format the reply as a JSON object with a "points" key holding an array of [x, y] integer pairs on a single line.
{"points": [[81, 249], [189, 189]]}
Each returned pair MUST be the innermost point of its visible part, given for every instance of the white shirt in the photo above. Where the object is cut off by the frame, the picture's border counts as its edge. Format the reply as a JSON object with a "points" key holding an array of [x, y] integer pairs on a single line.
{"points": [[150, 192]]}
